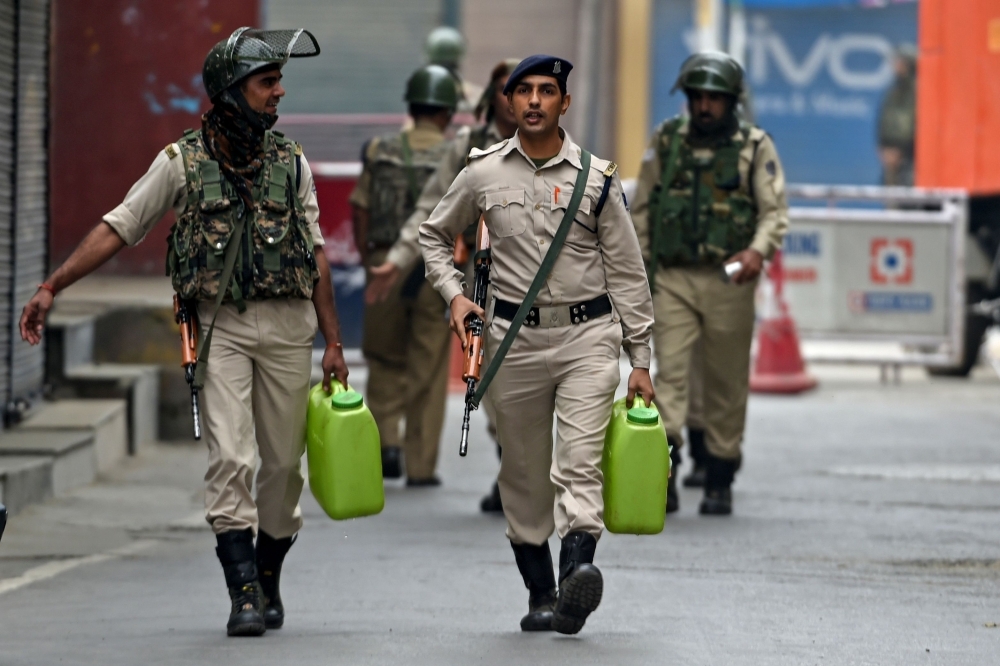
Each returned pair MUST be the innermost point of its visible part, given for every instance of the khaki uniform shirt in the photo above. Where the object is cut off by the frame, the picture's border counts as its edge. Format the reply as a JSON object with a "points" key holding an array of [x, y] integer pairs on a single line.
{"points": [[164, 187], [423, 136], [523, 206], [768, 191], [406, 250]]}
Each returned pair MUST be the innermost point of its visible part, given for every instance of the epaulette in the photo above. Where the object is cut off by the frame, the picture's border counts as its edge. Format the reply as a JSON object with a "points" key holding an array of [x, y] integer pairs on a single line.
{"points": [[610, 171], [298, 149], [171, 151], [476, 152]]}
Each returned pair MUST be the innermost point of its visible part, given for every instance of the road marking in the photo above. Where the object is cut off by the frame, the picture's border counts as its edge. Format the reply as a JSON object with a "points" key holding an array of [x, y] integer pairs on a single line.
{"points": [[53, 569], [923, 472]]}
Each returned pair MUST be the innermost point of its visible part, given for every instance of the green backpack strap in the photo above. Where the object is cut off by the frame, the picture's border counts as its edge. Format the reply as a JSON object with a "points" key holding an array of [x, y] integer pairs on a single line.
{"points": [[411, 176], [536, 285], [235, 241]]}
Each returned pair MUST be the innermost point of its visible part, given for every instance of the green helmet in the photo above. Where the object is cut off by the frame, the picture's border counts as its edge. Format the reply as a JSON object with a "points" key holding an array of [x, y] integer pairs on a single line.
{"points": [[249, 50], [432, 85], [445, 46], [711, 70]]}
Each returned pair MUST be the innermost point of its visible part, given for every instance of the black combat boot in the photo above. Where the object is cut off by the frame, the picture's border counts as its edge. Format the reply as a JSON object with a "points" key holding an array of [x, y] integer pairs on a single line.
{"points": [[270, 555], [699, 456], [673, 499], [719, 474], [535, 565], [581, 585], [492, 503], [236, 553], [392, 464]]}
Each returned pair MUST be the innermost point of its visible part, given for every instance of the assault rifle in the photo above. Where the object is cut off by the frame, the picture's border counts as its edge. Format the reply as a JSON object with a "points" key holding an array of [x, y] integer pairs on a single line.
{"points": [[474, 328], [189, 355]]}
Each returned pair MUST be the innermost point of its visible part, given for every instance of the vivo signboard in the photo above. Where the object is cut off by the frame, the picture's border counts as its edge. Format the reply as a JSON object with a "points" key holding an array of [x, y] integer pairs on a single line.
{"points": [[817, 74]]}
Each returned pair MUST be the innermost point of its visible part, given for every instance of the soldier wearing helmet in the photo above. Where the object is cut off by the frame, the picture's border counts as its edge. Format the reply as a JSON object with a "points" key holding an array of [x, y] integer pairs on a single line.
{"points": [[499, 124], [406, 340], [245, 254], [446, 47], [711, 194]]}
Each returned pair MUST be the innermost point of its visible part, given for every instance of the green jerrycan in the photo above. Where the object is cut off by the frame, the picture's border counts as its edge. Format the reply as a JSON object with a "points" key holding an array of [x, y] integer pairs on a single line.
{"points": [[345, 459], [636, 467]]}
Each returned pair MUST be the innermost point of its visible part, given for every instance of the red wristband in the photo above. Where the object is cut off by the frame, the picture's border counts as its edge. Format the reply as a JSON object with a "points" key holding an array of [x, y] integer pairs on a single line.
{"points": [[47, 287]]}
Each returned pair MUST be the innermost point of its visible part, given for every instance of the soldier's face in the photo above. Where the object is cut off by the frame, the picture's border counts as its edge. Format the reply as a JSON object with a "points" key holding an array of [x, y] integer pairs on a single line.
{"points": [[537, 103], [263, 91], [504, 114], [708, 109]]}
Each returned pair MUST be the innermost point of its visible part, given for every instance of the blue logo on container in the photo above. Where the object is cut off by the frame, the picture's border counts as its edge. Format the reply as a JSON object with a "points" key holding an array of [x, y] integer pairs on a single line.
{"points": [[802, 244]]}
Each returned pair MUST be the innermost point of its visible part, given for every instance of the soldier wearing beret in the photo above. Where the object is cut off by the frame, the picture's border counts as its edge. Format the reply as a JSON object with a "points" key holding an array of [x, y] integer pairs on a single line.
{"points": [[711, 192], [565, 359]]}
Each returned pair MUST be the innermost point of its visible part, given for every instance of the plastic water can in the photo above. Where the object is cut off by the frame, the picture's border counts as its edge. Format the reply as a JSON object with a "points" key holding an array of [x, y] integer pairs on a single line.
{"points": [[344, 453], [636, 467]]}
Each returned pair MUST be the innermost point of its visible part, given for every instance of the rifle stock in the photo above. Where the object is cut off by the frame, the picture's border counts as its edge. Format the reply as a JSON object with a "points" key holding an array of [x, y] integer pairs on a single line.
{"points": [[474, 328], [189, 355]]}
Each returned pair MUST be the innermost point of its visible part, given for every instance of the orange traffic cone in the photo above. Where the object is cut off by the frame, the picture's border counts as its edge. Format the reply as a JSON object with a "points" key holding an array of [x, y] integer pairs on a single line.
{"points": [[778, 367]]}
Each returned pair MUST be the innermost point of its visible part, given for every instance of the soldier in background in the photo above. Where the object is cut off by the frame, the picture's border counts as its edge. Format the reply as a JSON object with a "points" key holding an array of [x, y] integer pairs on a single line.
{"points": [[500, 124], [405, 339], [897, 123], [446, 47], [711, 191]]}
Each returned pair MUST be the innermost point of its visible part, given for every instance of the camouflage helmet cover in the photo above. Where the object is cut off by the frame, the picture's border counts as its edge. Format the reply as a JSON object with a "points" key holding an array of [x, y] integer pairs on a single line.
{"points": [[445, 46], [432, 85], [713, 71], [249, 50]]}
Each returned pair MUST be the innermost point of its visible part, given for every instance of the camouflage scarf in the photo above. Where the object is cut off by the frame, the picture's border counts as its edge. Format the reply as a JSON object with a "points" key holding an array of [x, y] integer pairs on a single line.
{"points": [[236, 144]]}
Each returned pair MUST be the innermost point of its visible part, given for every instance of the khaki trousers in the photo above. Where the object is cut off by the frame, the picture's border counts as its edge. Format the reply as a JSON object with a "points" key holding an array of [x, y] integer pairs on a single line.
{"points": [[571, 371], [256, 388], [696, 388], [406, 343], [693, 303]]}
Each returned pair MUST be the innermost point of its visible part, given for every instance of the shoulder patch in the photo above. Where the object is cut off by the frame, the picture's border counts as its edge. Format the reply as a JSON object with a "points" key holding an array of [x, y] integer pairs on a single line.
{"points": [[170, 151], [476, 152], [771, 168]]}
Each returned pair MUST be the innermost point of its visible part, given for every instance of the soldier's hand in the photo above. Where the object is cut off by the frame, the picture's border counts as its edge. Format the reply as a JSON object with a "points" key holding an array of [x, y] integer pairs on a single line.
{"points": [[33, 316], [753, 262], [639, 382], [381, 279], [462, 307], [334, 364]]}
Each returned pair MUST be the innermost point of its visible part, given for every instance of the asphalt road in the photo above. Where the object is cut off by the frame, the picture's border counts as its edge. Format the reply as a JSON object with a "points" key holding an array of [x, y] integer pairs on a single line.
{"points": [[865, 532]]}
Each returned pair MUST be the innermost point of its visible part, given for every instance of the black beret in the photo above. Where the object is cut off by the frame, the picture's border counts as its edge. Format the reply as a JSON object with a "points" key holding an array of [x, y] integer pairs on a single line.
{"points": [[558, 68]]}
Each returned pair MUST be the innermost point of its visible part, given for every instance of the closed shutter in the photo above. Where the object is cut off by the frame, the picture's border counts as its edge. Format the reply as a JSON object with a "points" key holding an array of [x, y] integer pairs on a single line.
{"points": [[8, 78], [369, 49], [31, 189]]}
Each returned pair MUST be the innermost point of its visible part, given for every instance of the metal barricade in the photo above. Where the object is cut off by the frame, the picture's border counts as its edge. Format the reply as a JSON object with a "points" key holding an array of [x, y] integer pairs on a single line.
{"points": [[877, 274]]}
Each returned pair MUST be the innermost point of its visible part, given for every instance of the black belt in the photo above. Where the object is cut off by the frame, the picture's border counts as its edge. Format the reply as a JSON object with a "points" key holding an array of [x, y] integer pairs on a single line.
{"points": [[556, 315]]}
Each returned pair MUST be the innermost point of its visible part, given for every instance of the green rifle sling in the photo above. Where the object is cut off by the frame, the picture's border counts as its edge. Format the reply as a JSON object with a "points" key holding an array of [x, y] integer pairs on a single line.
{"points": [[235, 241], [536, 285]]}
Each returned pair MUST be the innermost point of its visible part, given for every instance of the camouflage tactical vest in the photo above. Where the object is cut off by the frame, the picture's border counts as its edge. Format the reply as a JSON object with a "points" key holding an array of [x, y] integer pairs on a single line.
{"points": [[275, 259], [701, 212], [398, 177]]}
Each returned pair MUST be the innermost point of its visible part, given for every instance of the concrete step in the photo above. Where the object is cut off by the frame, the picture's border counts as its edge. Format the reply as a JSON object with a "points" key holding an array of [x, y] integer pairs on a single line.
{"points": [[138, 385], [71, 455], [24, 480], [106, 420]]}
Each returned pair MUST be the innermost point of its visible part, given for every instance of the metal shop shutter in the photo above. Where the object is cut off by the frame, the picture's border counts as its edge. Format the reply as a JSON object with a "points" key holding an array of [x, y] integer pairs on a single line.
{"points": [[8, 63], [368, 50], [31, 189]]}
